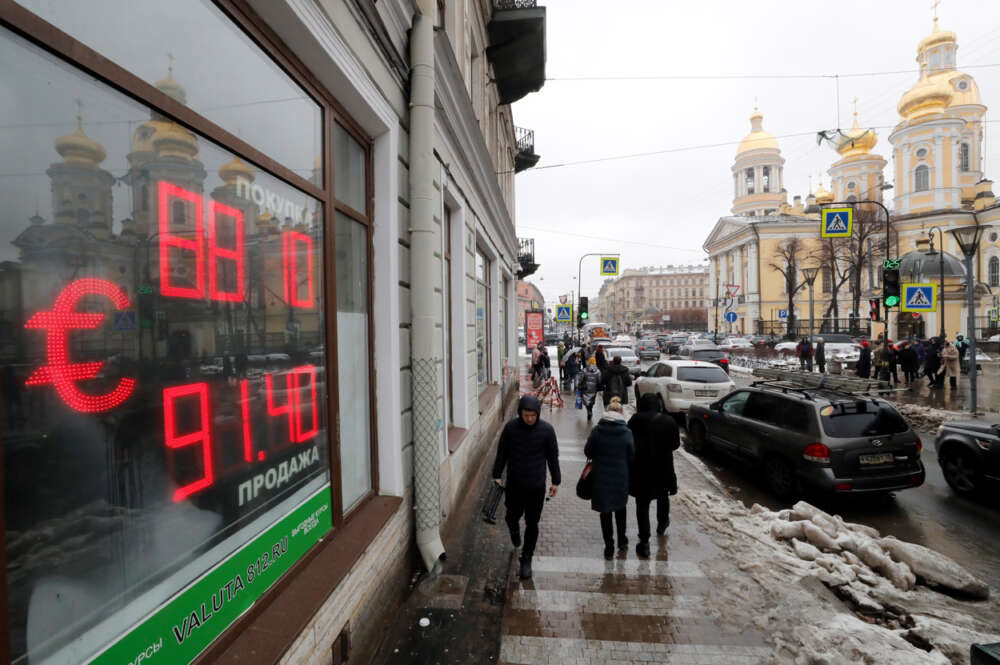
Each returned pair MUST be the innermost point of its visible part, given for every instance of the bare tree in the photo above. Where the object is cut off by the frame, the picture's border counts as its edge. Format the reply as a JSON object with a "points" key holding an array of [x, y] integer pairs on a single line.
{"points": [[788, 256], [864, 250], [832, 257]]}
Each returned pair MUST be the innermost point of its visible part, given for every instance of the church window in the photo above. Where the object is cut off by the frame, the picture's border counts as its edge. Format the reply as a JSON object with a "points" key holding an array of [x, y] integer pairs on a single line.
{"points": [[827, 285], [852, 199], [765, 179], [963, 85], [749, 181], [736, 185], [921, 179], [921, 153], [851, 185], [963, 157], [994, 271]]}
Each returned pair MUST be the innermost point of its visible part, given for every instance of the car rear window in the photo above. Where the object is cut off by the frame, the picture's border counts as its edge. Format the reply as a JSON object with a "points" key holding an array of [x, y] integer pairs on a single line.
{"points": [[855, 419], [702, 375], [708, 354]]}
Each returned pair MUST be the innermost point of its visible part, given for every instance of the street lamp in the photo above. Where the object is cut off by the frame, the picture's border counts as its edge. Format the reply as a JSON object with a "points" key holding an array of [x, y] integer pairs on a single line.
{"points": [[931, 252], [968, 239], [810, 276]]}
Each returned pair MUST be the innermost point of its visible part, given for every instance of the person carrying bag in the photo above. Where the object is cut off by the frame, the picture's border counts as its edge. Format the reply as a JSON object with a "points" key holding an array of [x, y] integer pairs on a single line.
{"points": [[612, 450]]}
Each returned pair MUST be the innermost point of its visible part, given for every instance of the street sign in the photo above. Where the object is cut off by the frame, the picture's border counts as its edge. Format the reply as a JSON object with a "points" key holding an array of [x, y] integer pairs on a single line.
{"points": [[731, 317], [994, 314], [609, 265], [564, 312], [534, 329], [563, 299], [782, 313], [732, 289], [837, 222], [126, 321], [918, 298]]}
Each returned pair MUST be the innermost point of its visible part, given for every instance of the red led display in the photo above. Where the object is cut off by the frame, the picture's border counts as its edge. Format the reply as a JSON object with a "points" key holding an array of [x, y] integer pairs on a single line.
{"points": [[202, 435], [245, 412], [300, 435], [59, 371], [168, 194], [225, 254], [286, 408], [289, 240]]}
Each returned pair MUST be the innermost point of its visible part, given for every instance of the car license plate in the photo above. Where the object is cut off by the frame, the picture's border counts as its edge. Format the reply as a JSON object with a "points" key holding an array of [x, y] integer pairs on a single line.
{"points": [[881, 458], [704, 393]]}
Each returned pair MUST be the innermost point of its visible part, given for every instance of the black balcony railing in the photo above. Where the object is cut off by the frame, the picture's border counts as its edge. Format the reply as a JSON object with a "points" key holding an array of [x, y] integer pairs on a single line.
{"points": [[514, 4], [526, 257], [517, 48], [525, 156]]}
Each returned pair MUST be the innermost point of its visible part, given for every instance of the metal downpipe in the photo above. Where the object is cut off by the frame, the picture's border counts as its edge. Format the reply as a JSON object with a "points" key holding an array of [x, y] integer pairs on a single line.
{"points": [[424, 363]]}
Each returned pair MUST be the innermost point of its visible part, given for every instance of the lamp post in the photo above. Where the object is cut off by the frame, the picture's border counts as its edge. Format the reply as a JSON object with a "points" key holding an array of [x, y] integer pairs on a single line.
{"points": [[810, 276], [931, 252], [968, 239]]}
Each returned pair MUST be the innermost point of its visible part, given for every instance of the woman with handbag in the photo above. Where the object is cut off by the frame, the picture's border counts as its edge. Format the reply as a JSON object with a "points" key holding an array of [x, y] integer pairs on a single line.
{"points": [[611, 449]]}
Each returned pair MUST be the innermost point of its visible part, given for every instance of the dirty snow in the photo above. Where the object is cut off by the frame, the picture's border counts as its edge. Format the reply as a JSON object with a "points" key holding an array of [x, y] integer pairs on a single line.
{"points": [[827, 591]]}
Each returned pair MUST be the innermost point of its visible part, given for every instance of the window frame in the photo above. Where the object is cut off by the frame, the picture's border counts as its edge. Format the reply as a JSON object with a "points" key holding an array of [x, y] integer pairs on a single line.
{"points": [[993, 271], [26, 25], [964, 156], [924, 171]]}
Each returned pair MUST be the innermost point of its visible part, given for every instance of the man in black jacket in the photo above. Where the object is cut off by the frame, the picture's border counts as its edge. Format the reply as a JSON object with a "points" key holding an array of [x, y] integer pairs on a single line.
{"points": [[652, 476], [616, 379], [526, 446]]}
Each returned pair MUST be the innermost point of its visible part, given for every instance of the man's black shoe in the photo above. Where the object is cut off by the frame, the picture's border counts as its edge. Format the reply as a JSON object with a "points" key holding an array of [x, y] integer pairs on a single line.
{"points": [[662, 528], [525, 569], [642, 549], [515, 537], [609, 552]]}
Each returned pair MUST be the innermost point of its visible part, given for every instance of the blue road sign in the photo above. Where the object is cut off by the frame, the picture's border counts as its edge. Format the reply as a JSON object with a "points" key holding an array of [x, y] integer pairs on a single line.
{"points": [[609, 265], [782, 313], [837, 222], [564, 312], [125, 321], [919, 298], [731, 317]]}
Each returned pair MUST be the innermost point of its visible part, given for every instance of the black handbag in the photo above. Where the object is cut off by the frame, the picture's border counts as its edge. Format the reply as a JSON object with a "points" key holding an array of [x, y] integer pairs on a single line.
{"points": [[492, 503], [585, 486]]}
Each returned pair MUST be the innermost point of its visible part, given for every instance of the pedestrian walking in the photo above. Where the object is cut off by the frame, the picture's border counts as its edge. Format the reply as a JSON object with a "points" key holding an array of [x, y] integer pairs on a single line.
{"points": [[588, 383], [527, 445], [820, 355], [962, 345], [572, 369], [932, 364], [881, 360], [908, 361], [950, 360], [893, 352], [611, 449], [560, 352], [864, 366], [652, 476], [804, 351], [616, 379], [602, 359]]}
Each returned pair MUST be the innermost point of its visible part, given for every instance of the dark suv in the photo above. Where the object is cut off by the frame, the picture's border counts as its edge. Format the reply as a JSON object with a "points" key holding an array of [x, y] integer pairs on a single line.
{"points": [[811, 438], [969, 454], [706, 352]]}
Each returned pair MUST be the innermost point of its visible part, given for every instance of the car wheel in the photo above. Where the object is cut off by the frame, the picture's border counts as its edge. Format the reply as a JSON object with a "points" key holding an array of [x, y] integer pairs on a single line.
{"points": [[780, 477], [959, 468], [697, 437]]}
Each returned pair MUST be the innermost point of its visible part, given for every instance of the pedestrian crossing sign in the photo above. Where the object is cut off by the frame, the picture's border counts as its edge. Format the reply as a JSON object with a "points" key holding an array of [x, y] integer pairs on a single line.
{"points": [[918, 298], [609, 265], [837, 222], [564, 312], [994, 314]]}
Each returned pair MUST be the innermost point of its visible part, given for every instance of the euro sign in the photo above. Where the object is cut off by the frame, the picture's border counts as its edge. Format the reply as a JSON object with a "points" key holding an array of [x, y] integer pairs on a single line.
{"points": [[59, 371]]}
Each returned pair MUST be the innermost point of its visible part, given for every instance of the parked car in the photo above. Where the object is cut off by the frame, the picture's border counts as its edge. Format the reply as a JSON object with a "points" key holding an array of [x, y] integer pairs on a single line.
{"points": [[760, 341], [706, 352], [662, 341], [676, 342], [733, 343], [969, 454], [628, 356], [648, 348], [681, 383], [812, 439]]}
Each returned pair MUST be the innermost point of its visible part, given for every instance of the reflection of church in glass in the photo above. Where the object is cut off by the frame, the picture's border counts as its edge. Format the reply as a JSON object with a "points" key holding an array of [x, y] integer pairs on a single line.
{"points": [[81, 241]]}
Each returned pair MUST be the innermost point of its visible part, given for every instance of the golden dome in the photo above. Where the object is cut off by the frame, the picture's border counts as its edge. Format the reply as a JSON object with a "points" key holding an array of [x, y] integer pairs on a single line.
{"points": [[931, 94], [173, 140], [234, 169], [78, 148], [857, 141], [937, 36], [757, 138], [142, 139], [964, 86], [172, 88], [822, 195]]}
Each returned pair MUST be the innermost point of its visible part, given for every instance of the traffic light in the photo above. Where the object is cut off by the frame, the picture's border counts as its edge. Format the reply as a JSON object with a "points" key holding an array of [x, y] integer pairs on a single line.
{"points": [[873, 307], [583, 313], [890, 286]]}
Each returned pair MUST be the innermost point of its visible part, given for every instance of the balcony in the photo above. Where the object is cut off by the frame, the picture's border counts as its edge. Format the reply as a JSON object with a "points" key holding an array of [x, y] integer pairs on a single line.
{"points": [[525, 157], [526, 257], [517, 48]]}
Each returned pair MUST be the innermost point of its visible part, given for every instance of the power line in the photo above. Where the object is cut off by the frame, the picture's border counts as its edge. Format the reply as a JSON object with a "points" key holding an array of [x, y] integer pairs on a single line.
{"points": [[726, 77]]}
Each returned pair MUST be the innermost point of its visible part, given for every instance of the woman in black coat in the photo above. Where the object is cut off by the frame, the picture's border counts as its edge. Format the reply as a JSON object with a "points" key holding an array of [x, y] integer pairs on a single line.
{"points": [[652, 476], [864, 366], [611, 449]]}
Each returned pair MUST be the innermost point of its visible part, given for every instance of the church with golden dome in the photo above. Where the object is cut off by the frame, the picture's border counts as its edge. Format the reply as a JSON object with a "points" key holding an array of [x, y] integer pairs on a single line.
{"points": [[936, 182]]}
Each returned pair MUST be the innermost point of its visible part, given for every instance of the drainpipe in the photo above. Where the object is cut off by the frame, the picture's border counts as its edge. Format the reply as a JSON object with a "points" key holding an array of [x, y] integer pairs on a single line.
{"points": [[424, 365]]}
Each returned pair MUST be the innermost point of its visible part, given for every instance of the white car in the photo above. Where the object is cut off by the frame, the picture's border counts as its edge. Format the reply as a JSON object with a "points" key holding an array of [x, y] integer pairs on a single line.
{"points": [[731, 343], [624, 340], [628, 356], [681, 383], [994, 338]]}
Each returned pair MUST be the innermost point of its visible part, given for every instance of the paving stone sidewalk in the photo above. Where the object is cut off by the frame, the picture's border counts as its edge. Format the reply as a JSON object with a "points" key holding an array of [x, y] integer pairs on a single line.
{"points": [[580, 609]]}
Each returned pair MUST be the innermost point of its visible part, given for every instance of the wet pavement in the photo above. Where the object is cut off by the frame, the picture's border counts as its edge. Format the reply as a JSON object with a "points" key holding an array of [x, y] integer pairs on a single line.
{"points": [[957, 399]]}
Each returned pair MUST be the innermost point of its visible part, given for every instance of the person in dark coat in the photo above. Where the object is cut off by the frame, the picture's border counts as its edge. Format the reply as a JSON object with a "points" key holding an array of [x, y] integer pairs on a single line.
{"points": [[908, 362], [652, 476], [572, 368], [616, 380], [588, 384], [611, 448], [601, 357], [527, 445], [932, 364], [864, 366], [820, 355]]}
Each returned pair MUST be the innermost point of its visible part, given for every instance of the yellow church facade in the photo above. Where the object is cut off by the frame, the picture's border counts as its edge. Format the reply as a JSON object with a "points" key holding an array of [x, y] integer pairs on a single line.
{"points": [[758, 252]]}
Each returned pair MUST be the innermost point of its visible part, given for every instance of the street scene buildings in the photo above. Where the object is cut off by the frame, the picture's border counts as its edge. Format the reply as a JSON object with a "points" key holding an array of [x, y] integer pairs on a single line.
{"points": [[662, 295]]}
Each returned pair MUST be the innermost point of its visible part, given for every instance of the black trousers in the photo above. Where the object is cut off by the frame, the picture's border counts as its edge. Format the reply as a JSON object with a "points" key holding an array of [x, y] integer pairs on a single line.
{"points": [[527, 503], [609, 538], [642, 512]]}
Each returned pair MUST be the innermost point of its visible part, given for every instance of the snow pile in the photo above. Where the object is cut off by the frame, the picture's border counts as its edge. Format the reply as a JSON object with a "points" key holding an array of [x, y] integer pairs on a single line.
{"points": [[926, 418], [830, 591]]}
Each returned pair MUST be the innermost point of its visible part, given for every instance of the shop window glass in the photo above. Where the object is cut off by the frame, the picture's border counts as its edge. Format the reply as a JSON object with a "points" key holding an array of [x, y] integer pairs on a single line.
{"points": [[195, 415], [348, 169], [353, 359], [191, 51]]}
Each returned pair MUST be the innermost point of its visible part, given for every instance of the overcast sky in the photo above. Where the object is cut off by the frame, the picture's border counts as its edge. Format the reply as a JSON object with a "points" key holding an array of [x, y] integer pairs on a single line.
{"points": [[658, 210]]}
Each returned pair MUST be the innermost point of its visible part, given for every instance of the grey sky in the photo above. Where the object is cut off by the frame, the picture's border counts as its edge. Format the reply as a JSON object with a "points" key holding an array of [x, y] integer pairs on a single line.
{"points": [[665, 205]]}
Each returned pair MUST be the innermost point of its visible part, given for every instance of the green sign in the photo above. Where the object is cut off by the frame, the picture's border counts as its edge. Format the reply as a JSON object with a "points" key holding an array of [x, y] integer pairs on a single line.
{"points": [[890, 264], [182, 628]]}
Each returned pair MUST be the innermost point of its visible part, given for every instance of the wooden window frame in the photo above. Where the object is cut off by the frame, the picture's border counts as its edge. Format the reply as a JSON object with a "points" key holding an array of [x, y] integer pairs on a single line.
{"points": [[293, 599]]}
